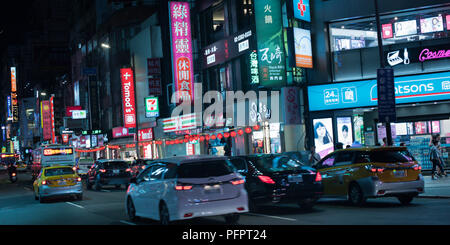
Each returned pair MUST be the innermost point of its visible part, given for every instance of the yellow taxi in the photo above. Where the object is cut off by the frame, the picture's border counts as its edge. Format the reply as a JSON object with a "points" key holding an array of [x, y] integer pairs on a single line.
{"points": [[57, 181], [361, 173]]}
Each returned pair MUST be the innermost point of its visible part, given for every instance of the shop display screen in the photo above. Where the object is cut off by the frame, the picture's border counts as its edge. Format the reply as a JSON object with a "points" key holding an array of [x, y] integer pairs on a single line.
{"points": [[345, 133], [405, 28], [432, 24], [323, 136], [401, 129], [435, 127], [358, 44], [421, 127], [342, 44]]}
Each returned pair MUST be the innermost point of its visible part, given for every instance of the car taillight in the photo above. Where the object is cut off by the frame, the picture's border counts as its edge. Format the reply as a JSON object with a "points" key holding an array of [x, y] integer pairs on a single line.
{"points": [[266, 179], [79, 179], [417, 167], [183, 187], [143, 167], [44, 182], [374, 169], [238, 182], [128, 170], [102, 170], [318, 177], [74, 168], [13, 174]]}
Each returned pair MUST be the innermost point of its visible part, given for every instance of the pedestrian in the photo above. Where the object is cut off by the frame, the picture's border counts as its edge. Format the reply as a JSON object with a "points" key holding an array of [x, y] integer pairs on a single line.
{"points": [[314, 157], [436, 159], [384, 141]]}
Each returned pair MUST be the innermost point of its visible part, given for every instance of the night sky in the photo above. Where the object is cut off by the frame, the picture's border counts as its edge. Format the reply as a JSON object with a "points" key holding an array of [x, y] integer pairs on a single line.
{"points": [[14, 20]]}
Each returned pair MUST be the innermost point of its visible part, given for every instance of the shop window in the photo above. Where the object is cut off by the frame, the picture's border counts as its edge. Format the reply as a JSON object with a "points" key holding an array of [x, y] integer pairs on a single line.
{"points": [[213, 23], [244, 10], [354, 43]]}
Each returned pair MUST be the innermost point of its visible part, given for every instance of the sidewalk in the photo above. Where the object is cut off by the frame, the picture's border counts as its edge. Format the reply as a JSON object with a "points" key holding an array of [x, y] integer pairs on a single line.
{"points": [[438, 188]]}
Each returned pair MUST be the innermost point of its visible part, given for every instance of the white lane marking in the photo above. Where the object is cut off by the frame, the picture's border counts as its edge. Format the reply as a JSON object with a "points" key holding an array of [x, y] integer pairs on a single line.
{"points": [[105, 190], [27, 188], [126, 222], [270, 216], [73, 204]]}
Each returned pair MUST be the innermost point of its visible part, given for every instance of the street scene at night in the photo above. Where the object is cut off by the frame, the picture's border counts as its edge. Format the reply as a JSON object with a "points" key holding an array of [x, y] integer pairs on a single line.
{"points": [[236, 114]]}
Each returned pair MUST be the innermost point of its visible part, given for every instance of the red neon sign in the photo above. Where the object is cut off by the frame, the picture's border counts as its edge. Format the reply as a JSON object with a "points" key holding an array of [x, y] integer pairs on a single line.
{"points": [[128, 99]]}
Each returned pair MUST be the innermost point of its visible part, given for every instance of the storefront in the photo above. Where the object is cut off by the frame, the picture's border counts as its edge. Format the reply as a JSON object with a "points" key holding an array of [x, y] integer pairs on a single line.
{"points": [[347, 113]]}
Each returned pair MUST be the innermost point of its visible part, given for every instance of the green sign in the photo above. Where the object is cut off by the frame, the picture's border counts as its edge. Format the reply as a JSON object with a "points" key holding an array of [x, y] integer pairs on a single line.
{"points": [[151, 107], [269, 32]]}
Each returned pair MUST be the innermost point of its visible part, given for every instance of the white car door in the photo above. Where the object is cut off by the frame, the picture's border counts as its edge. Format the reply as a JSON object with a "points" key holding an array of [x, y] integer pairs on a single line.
{"points": [[139, 192], [154, 190]]}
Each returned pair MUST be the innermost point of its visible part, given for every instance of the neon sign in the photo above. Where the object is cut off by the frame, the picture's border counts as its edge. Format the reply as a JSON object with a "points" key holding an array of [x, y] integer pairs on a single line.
{"points": [[426, 54], [61, 151]]}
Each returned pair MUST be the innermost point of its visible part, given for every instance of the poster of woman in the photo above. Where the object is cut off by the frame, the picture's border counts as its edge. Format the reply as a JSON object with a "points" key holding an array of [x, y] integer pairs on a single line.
{"points": [[323, 136], [345, 133]]}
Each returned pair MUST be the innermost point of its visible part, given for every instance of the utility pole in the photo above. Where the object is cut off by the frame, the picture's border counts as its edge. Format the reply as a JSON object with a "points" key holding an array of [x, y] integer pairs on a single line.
{"points": [[382, 65]]}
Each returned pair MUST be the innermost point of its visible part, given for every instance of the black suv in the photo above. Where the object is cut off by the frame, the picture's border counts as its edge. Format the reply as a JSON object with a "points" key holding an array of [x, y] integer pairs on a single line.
{"points": [[277, 178], [108, 172]]}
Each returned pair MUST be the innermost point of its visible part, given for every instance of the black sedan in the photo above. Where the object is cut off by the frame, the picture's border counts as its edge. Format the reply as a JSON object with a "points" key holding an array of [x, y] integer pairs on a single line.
{"points": [[277, 178]]}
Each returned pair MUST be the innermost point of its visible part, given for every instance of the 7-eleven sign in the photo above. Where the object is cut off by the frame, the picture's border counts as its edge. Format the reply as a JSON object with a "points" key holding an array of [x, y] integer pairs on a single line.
{"points": [[151, 107]]}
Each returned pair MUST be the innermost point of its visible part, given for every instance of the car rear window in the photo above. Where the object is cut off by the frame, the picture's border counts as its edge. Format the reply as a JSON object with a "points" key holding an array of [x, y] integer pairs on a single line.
{"points": [[277, 164], [205, 169], [391, 156], [107, 165], [58, 171]]}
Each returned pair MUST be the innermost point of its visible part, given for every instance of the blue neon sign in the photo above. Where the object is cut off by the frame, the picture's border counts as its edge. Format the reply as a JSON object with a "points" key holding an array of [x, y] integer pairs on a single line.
{"points": [[302, 10], [409, 89]]}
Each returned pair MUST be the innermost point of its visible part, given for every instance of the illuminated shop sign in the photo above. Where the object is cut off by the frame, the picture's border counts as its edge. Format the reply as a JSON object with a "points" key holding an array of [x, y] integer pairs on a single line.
{"points": [[8, 98], [128, 99], [61, 151], [145, 134], [270, 44], [227, 49], [409, 89], [13, 80], [47, 120], [406, 56], [184, 122], [254, 70], [182, 61], [302, 10], [151, 107]]}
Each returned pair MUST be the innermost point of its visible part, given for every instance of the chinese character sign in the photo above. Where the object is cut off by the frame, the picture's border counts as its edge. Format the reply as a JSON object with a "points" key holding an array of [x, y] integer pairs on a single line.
{"points": [[128, 99], [47, 120], [13, 80], [269, 32], [182, 61]]}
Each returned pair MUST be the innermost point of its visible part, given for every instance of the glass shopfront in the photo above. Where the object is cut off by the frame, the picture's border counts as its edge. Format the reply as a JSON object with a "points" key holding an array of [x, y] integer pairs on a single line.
{"points": [[412, 43]]}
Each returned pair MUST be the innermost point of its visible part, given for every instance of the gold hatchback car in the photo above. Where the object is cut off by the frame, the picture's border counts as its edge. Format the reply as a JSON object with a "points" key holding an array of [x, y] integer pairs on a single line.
{"points": [[361, 173]]}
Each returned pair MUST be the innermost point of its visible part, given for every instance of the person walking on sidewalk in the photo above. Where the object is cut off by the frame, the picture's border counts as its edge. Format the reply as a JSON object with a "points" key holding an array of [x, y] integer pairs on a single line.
{"points": [[436, 159]]}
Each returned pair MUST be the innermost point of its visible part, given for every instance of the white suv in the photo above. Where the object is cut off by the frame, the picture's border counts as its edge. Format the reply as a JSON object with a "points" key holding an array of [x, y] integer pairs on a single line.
{"points": [[187, 187]]}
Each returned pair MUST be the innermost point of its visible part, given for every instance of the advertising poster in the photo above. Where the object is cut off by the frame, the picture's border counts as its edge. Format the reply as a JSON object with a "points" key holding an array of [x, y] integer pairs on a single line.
{"points": [[345, 132], [387, 31], [381, 132], [358, 123], [303, 51], [182, 61], [432, 24], [323, 136], [435, 127], [421, 127], [269, 34], [405, 28]]}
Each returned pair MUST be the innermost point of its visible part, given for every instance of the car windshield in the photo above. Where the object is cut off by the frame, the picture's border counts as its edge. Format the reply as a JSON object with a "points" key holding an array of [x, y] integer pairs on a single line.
{"points": [[277, 164], [108, 165], [58, 171], [391, 156], [205, 169]]}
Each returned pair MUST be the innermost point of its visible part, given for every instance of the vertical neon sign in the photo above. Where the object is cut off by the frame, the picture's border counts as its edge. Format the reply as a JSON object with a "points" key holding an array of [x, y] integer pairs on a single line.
{"points": [[182, 62], [128, 99]]}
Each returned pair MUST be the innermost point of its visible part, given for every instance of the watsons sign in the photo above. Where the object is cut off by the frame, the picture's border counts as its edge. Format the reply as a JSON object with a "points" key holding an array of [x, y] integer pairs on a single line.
{"points": [[409, 89]]}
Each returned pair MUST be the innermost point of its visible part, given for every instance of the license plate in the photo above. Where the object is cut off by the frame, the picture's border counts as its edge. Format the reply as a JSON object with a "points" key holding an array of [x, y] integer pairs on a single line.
{"points": [[116, 171], [212, 189], [399, 173], [295, 178]]}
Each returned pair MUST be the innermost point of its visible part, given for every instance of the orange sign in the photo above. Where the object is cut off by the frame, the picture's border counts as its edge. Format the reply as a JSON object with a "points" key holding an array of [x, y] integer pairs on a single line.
{"points": [[62, 151], [13, 80]]}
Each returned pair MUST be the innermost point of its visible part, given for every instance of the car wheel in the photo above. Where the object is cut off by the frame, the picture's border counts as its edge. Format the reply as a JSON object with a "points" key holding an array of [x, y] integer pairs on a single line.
{"points": [[306, 204], [232, 218], [41, 199], [164, 218], [80, 197], [131, 210], [88, 185], [355, 195], [405, 200], [252, 206], [35, 196], [97, 185]]}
